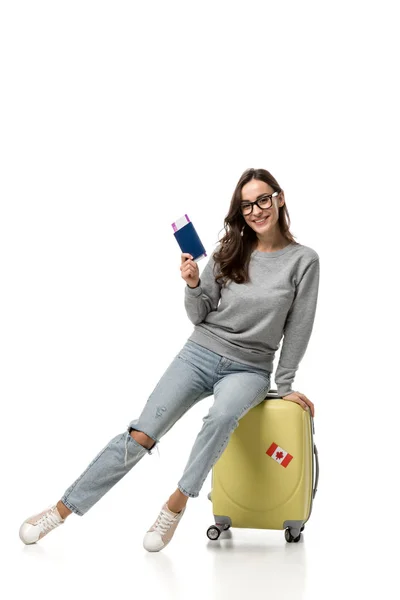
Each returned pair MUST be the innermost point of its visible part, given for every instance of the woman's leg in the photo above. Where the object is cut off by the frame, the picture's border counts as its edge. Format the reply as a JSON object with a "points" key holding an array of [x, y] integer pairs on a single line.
{"points": [[182, 385], [237, 390], [141, 438], [208, 366]]}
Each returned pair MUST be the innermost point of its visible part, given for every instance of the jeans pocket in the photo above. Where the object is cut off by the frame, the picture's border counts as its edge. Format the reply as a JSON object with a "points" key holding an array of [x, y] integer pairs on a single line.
{"points": [[192, 352], [185, 350]]}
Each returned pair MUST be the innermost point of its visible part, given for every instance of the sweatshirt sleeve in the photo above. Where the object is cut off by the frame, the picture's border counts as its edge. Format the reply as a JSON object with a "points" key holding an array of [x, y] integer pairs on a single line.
{"points": [[201, 300], [298, 328]]}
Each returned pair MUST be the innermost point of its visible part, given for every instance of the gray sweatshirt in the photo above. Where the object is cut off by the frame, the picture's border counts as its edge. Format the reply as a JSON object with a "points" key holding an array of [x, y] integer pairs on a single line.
{"points": [[245, 322]]}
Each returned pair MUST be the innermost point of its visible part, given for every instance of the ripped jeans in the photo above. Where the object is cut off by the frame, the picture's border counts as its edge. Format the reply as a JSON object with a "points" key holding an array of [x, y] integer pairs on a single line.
{"points": [[195, 373]]}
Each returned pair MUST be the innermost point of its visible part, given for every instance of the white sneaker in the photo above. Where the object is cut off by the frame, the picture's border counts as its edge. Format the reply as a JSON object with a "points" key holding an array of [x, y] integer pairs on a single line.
{"points": [[160, 534], [37, 526]]}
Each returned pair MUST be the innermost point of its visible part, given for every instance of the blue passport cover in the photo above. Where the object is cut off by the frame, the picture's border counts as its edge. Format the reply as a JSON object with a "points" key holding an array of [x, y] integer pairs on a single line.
{"points": [[189, 241]]}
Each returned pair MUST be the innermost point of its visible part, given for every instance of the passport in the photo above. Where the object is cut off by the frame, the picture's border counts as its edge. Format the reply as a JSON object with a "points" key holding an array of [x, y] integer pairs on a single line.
{"points": [[188, 238]]}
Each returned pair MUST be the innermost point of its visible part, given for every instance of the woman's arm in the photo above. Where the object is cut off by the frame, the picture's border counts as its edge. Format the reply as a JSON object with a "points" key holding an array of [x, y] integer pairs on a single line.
{"points": [[298, 328], [199, 301]]}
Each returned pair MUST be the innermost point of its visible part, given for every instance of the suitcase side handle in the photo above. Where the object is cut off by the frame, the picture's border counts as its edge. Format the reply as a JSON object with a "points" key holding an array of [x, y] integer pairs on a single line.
{"points": [[316, 470]]}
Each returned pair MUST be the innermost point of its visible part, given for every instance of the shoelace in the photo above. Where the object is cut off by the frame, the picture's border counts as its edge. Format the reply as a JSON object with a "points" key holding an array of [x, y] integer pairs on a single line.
{"points": [[48, 522], [164, 522]]}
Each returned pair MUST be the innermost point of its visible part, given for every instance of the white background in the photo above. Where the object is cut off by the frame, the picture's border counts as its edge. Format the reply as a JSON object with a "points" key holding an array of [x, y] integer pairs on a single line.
{"points": [[116, 119]]}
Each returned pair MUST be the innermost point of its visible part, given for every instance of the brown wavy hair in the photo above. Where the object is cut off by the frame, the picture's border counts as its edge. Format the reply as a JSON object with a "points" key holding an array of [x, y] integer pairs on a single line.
{"points": [[233, 257]]}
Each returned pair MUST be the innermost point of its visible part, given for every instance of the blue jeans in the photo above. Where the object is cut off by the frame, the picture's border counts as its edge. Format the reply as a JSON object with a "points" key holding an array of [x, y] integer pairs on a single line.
{"points": [[194, 374]]}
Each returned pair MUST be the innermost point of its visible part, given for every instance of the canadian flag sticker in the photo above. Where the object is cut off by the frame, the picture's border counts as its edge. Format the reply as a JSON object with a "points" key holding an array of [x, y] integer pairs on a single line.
{"points": [[279, 454]]}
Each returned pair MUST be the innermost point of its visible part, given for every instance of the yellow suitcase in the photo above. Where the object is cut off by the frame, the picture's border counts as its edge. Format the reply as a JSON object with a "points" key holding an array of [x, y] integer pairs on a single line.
{"points": [[267, 476]]}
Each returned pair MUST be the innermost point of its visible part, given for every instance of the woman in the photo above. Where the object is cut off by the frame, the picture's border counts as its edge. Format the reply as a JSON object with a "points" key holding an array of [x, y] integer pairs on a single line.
{"points": [[258, 286]]}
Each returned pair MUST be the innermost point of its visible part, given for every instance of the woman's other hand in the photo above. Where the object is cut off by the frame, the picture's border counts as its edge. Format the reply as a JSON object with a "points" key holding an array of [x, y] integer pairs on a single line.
{"points": [[189, 270], [301, 399]]}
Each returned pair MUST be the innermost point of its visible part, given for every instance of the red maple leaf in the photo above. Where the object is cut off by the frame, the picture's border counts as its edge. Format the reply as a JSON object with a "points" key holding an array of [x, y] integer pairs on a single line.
{"points": [[279, 455]]}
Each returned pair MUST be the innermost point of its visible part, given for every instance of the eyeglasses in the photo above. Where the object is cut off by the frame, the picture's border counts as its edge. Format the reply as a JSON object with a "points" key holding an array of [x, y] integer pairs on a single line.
{"points": [[264, 201]]}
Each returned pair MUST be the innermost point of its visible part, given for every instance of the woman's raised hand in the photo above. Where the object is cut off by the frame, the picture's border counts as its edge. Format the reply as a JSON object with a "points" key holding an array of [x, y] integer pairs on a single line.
{"points": [[189, 270]]}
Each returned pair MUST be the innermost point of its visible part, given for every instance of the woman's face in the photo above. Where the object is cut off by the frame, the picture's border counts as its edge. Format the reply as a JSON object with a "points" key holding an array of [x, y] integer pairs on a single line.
{"points": [[250, 192]]}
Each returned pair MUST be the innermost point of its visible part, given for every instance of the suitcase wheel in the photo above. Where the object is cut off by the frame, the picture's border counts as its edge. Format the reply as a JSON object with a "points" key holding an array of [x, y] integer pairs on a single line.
{"points": [[213, 532], [290, 538], [222, 524]]}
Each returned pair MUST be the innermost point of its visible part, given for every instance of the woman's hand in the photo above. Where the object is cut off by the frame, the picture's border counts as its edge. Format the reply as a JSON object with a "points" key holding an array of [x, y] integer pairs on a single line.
{"points": [[189, 270], [301, 399]]}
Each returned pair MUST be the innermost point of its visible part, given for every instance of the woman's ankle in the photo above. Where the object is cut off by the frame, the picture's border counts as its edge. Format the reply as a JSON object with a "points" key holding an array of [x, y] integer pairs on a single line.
{"points": [[177, 501], [63, 510]]}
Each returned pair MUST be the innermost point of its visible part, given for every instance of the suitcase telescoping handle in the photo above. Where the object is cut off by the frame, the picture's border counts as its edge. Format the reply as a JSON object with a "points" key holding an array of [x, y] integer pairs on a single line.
{"points": [[274, 394]]}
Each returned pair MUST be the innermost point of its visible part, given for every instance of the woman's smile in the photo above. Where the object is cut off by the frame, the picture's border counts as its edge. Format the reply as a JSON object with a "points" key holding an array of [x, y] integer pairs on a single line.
{"points": [[262, 221]]}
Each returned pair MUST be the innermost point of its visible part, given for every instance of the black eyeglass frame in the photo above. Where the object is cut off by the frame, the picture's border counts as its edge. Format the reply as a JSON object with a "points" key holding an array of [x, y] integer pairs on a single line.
{"points": [[270, 196]]}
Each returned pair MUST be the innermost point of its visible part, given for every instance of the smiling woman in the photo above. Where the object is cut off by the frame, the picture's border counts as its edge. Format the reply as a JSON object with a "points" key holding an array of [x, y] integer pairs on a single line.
{"points": [[266, 284], [256, 287], [258, 219]]}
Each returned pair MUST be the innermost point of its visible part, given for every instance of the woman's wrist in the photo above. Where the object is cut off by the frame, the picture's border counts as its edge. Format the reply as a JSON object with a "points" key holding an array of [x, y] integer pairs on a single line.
{"points": [[194, 287]]}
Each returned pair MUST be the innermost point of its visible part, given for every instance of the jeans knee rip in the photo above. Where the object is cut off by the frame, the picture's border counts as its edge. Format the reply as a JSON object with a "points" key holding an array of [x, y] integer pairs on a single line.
{"points": [[148, 450]]}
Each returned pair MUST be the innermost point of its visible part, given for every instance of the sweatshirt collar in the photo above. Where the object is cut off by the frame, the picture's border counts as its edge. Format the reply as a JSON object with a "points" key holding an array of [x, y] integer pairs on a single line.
{"points": [[275, 253]]}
